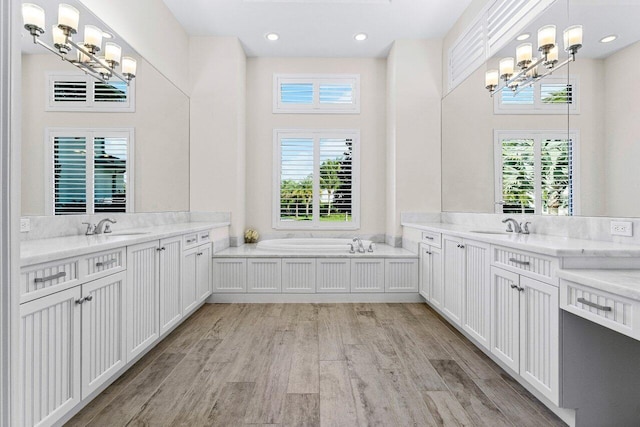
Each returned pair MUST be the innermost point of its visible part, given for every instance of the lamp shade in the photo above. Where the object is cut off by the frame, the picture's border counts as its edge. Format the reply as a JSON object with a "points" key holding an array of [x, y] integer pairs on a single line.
{"points": [[33, 16], [546, 36], [92, 36], [491, 78], [59, 39], [68, 17], [553, 54], [506, 67], [573, 37], [129, 66], [524, 53], [112, 52]]}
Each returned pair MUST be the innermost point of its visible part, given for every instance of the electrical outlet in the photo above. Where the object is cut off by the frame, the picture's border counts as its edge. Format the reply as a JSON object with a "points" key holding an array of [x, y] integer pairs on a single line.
{"points": [[25, 225], [622, 228]]}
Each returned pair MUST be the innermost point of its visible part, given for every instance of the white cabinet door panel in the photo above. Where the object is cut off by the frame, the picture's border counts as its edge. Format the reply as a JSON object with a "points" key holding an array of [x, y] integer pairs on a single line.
{"points": [[230, 275], [477, 291], [505, 317], [170, 283], [453, 275], [333, 275], [203, 273], [401, 275], [189, 281], [103, 331], [367, 275], [264, 275], [299, 275]]}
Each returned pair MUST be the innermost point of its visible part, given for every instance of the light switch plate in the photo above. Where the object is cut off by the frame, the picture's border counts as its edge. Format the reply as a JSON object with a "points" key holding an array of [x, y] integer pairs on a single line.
{"points": [[622, 228], [25, 225]]}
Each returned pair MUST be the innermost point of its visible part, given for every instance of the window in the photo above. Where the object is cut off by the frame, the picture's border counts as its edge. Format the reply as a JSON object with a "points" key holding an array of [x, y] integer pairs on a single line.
{"points": [[536, 172], [302, 93], [89, 171], [79, 92], [316, 181], [551, 95]]}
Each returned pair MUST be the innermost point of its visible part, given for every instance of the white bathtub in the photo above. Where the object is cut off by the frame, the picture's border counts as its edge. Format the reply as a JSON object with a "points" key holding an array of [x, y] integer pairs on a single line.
{"points": [[309, 245]]}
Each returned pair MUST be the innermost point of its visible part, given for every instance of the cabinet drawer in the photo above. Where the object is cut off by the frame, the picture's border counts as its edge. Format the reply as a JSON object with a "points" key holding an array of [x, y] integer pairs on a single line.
{"points": [[43, 279], [535, 266], [190, 240], [204, 237], [432, 238], [103, 263], [609, 310]]}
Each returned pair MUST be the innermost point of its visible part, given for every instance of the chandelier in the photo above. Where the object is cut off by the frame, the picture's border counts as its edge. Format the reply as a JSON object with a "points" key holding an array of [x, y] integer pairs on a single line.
{"points": [[101, 68], [527, 71]]}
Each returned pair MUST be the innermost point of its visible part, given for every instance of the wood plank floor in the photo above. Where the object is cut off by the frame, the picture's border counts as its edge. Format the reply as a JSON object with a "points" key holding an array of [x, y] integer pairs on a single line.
{"points": [[315, 365]]}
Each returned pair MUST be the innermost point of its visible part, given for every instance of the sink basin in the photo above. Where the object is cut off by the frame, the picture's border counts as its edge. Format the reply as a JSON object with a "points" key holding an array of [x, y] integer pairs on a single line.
{"points": [[504, 233], [125, 233]]}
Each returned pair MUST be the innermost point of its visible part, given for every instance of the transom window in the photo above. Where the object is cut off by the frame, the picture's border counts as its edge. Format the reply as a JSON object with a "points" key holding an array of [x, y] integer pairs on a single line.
{"points": [[79, 92], [316, 182], [551, 95], [89, 171], [305, 93], [536, 172]]}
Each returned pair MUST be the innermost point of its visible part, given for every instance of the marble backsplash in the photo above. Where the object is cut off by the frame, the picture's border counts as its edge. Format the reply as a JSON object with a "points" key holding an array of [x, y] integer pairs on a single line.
{"points": [[44, 227], [589, 228]]}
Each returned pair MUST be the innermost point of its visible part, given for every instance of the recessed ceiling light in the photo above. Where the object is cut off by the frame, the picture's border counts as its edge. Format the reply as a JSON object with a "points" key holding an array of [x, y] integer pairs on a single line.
{"points": [[523, 36], [272, 37], [360, 37], [106, 35], [608, 39]]}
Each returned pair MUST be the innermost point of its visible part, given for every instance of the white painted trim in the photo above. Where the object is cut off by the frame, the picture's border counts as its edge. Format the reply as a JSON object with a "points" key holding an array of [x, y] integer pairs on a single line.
{"points": [[315, 107], [90, 134], [315, 298], [90, 105], [316, 134], [536, 135]]}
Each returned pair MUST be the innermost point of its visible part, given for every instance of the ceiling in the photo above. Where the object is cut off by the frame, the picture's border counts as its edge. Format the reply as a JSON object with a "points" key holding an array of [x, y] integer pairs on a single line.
{"points": [[318, 28]]}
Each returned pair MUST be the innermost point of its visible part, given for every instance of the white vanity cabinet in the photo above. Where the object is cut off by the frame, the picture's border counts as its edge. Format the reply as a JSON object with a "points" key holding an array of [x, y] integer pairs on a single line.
{"points": [[196, 280], [71, 342], [453, 277], [525, 329], [431, 284], [170, 277]]}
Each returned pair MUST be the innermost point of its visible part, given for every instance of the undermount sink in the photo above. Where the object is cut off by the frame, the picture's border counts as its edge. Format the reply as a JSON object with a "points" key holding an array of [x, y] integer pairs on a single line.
{"points": [[125, 233], [504, 233]]}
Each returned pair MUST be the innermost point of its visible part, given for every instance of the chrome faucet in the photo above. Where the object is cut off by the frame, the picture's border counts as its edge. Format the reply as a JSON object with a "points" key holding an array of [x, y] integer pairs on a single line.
{"points": [[104, 226], [512, 222], [360, 245]]}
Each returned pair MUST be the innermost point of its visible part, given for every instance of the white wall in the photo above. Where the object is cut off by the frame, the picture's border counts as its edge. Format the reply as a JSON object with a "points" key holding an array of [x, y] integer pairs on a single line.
{"points": [[261, 122], [622, 118], [151, 29], [468, 123], [161, 136], [218, 122], [414, 92]]}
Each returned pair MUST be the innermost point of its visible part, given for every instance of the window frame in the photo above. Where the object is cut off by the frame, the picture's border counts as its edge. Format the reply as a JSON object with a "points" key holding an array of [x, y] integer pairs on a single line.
{"points": [[316, 224], [90, 105], [90, 134], [537, 136], [538, 107], [316, 107]]}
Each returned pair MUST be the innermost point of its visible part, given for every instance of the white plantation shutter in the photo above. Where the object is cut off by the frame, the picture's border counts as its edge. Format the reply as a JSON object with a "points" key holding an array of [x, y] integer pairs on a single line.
{"points": [[316, 94], [536, 172], [551, 95], [494, 27], [89, 171], [316, 179], [79, 92]]}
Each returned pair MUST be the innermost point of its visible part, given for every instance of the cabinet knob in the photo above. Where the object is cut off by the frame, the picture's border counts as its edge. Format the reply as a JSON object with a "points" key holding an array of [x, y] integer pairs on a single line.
{"points": [[80, 301], [88, 298], [521, 289], [514, 286], [461, 246]]}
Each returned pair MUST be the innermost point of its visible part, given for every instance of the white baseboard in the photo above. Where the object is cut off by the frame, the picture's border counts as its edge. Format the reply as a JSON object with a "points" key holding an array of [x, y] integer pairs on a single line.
{"points": [[317, 298]]}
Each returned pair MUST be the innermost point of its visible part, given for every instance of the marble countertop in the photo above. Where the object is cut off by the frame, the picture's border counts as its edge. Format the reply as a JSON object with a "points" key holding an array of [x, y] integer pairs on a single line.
{"points": [[381, 251], [625, 283], [44, 250], [538, 243]]}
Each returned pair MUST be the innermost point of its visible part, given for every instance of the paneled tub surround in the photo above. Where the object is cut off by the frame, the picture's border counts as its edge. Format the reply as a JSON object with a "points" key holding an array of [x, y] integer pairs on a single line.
{"points": [[91, 306], [485, 281], [251, 274]]}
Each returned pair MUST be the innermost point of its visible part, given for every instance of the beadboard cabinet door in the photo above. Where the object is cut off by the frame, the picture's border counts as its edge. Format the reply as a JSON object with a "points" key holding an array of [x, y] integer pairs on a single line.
{"points": [[189, 281], [49, 358], [477, 291], [203, 272], [367, 275], [143, 299], [505, 317], [401, 275], [333, 275], [453, 277], [170, 283], [103, 330]]}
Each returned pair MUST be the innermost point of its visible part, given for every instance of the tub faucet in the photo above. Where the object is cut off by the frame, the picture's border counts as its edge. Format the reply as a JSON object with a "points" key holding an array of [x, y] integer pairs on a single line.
{"points": [[360, 245], [512, 222], [103, 227]]}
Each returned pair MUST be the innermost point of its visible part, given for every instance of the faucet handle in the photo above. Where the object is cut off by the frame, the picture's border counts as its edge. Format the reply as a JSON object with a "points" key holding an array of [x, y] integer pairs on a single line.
{"points": [[509, 228], [90, 229], [352, 249], [525, 227], [372, 246], [107, 228]]}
